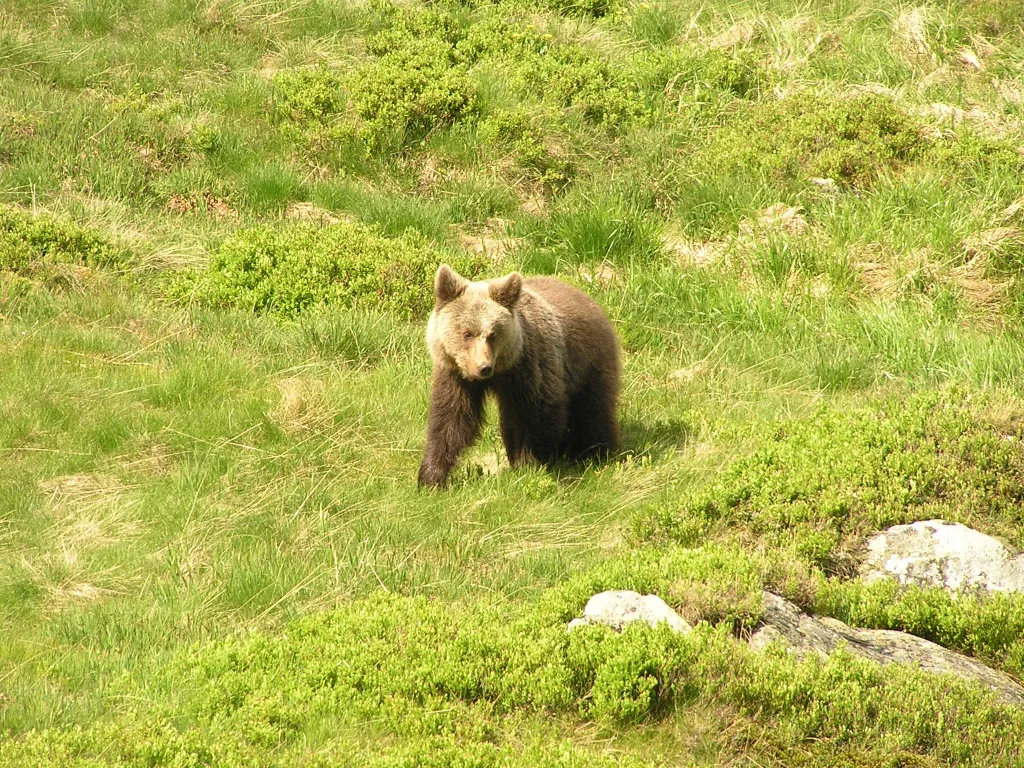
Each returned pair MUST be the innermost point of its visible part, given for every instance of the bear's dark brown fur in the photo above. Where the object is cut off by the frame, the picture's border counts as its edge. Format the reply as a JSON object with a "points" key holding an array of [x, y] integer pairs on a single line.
{"points": [[545, 349]]}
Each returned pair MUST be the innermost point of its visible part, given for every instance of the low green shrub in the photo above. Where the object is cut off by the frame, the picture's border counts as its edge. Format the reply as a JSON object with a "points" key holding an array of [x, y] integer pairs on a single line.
{"points": [[575, 76], [852, 140], [978, 158], [694, 73], [507, 36], [412, 90], [285, 270], [535, 154], [427, 681], [28, 243], [309, 94], [398, 26], [813, 486], [415, 83]]}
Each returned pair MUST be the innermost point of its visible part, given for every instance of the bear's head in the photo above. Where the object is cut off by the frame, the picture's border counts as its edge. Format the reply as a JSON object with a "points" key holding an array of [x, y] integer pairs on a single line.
{"points": [[474, 326]]}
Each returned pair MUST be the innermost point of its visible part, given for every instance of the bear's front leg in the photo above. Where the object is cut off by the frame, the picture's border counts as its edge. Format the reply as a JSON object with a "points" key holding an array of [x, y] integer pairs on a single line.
{"points": [[514, 438], [456, 413]]}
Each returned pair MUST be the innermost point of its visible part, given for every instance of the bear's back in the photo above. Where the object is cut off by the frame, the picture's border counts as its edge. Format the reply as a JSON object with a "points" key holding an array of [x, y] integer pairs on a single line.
{"points": [[590, 341], [577, 311]]}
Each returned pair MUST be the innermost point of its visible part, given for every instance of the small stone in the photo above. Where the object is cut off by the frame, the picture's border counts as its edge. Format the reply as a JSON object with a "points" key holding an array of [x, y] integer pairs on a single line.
{"points": [[618, 608]]}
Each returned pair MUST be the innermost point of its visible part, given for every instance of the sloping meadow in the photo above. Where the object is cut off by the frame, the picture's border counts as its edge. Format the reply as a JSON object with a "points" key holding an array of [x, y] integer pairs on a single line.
{"points": [[220, 227]]}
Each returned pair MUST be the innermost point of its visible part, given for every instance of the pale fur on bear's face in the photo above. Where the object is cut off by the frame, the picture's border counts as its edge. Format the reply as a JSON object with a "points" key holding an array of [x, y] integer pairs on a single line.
{"points": [[474, 326]]}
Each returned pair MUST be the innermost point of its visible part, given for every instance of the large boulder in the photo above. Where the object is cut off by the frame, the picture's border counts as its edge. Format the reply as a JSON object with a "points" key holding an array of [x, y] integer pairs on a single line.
{"points": [[617, 608], [809, 635], [934, 553]]}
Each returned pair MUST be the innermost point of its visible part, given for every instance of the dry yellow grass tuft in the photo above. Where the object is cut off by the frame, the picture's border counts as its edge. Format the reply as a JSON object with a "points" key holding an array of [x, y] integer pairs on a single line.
{"points": [[535, 204], [944, 117], [309, 212], [910, 30], [1009, 90], [694, 253], [1013, 209], [738, 34], [431, 175], [302, 405], [604, 274], [89, 511], [292, 409], [203, 202], [989, 241], [690, 372], [887, 274], [969, 59], [777, 217], [77, 488], [493, 241], [877, 277]]}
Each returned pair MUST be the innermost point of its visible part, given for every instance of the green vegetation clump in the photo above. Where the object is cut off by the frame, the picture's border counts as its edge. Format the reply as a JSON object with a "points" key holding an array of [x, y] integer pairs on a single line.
{"points": [[575, 76], [419, 677], [976, 157], [814, 485], [29, 242], [535, 155], [285, 270], [411, 90], [602, 229], [851, 140], [691, 74], [508, 37], [398, 26], [417, 83], [310, 94]]}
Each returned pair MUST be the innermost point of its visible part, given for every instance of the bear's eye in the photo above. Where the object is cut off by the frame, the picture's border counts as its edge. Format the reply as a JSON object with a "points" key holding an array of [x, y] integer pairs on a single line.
{"points": [[467, 335]]}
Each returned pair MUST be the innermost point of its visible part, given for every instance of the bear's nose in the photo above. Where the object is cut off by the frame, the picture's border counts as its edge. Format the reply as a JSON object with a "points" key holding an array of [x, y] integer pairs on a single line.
{"points": [[485, 370]]}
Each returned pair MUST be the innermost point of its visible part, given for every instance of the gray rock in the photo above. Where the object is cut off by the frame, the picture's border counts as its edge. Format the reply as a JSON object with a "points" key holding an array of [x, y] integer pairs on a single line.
{"points": [[808, 635], [934, 553], [617, 608]]}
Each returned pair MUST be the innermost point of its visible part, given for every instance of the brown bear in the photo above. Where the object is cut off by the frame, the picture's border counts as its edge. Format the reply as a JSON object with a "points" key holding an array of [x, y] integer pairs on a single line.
{"points": [[545, 349]]}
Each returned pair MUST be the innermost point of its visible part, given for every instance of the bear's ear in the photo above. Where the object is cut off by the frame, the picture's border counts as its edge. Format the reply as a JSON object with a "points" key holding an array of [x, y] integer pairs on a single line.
{"points": [[506, 290], [448, 285]]}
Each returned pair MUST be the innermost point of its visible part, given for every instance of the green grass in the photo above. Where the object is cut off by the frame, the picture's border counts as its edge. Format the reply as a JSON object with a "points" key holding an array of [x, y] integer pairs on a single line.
{"points": [[218, 226]]}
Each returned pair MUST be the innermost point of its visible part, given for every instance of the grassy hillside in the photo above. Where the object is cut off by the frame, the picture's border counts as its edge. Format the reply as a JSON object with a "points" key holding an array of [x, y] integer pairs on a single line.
{"points": [[218, 225]]}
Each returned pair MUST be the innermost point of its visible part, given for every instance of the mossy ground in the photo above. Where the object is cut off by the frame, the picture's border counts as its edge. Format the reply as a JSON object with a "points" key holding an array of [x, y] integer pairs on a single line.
{"points": [[219, 221]]}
